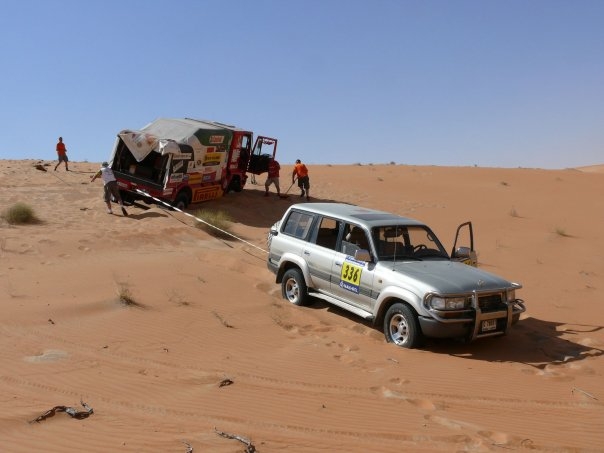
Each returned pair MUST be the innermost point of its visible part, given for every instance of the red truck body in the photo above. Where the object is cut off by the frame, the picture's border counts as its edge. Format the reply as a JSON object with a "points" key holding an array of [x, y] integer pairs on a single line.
{"points": [[184, 161]]}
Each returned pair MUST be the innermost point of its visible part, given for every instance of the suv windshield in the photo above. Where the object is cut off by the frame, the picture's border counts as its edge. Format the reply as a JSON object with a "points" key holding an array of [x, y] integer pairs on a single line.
{"points": [[395, 242]]}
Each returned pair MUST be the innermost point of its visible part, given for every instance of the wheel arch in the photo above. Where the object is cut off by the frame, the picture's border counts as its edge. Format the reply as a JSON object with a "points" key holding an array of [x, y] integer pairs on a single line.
{"points": [[388, 299], [290, 262]]}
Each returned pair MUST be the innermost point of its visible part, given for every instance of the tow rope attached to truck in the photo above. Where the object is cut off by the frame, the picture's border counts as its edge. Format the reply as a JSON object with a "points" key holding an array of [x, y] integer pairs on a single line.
{"points": [[200, 220]]}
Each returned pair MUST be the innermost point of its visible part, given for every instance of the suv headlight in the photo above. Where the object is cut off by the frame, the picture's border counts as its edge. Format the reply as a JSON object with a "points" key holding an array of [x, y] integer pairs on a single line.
{"points": [[447, 303]]}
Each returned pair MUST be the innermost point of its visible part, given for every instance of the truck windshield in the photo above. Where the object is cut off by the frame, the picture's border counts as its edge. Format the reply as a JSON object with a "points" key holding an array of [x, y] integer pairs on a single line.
{"points": [[407, 242]]}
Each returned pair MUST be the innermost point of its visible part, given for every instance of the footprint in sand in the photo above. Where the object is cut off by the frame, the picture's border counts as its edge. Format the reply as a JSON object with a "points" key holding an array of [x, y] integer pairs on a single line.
{"points": [[424, 404], [51, 355], [267, 288], [449, 423]]}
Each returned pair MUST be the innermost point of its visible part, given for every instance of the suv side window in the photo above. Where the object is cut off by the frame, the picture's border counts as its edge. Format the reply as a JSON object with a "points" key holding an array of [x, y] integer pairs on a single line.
{"points": [[298, 224], [327, 233], [354, 239]]}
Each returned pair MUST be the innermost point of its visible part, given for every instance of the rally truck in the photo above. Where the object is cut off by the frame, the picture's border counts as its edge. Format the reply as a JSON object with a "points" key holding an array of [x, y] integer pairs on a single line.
{"points": [[183, 160], [390, 270]]}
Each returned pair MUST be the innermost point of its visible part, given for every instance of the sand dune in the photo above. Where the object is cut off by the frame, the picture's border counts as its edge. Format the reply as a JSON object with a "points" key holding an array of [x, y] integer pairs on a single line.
{"points": [[310, 379]]}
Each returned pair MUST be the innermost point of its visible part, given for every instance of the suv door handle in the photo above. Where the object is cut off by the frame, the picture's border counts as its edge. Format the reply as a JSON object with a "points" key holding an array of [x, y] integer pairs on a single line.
{"points": [[338, 263]]}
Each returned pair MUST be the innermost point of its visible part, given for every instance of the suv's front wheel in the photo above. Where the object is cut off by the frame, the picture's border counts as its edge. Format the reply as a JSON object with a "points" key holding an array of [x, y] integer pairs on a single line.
{"points": [[293, 287], [401, 327]]}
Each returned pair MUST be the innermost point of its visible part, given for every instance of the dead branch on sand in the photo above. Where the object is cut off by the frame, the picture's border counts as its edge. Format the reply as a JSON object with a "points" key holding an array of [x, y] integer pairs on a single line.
{"points": [[224, 323], [73, 412], [249, 447], [584, 393], [225, 382]]}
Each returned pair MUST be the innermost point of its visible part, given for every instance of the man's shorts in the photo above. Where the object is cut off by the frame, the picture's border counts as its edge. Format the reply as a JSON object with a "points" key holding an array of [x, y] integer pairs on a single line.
{"points": [[304, 182], [110, 189], [270, 181]]}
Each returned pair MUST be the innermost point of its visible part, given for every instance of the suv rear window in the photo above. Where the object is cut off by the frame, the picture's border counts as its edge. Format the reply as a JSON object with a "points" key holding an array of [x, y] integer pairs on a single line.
{"points": [[298, 224]]}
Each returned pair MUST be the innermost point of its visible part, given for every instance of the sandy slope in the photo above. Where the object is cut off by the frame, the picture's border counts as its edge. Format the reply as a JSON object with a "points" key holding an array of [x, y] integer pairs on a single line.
{"points": [[307, 379]]}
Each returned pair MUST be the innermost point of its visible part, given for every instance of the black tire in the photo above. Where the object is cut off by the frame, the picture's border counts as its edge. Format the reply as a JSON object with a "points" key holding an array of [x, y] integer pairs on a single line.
{"points": [[401, 327], [235, 185], [181, 202], [293, 287]]}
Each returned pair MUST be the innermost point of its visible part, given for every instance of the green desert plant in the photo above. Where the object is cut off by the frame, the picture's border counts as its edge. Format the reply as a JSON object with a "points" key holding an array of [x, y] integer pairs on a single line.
{"points": [[20, 213], [220, 222]]}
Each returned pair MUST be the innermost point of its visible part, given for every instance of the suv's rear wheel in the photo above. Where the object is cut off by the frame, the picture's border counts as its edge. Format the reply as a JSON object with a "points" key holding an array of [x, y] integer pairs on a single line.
{"points": [[401, 327], [293, 287]]}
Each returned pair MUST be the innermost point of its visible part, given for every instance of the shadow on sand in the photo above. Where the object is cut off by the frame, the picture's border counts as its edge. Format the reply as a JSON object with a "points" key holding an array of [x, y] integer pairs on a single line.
{"points": [[533, 342]]}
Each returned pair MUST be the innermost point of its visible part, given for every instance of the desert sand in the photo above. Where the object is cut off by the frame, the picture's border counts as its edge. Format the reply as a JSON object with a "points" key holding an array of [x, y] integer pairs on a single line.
{"points": [[206, 312]]}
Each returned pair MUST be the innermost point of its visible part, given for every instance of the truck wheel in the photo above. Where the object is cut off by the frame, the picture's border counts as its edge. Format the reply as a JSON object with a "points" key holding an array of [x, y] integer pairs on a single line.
{"points": [[401, 327], [293, 287], [181, 202], [234, 185]]}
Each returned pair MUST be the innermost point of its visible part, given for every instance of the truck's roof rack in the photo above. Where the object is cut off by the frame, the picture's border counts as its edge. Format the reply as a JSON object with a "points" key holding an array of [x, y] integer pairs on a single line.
{"points": [[217, 123]]}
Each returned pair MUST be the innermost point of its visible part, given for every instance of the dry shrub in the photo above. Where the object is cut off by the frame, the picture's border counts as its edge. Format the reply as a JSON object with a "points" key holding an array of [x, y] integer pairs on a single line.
{"points": [[219, 222], [562, 232], [125, 295], [19, 214]]}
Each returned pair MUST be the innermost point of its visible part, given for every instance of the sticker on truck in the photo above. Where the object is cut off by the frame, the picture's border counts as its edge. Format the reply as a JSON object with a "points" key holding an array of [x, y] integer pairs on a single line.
{"points": [[206, 193], [216, 139]]}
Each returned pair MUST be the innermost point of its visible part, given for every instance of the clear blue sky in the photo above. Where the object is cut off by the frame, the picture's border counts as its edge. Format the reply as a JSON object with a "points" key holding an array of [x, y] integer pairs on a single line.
{"points": [[425, 82]]}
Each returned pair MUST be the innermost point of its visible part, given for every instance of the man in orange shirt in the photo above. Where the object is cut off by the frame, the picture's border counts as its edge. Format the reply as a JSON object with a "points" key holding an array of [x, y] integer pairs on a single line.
{"points": [[62, 154], [301, 172]]}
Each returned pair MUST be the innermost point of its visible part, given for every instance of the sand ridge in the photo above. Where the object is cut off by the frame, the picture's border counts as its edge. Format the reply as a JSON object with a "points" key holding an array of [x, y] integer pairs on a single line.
{"points": [[311, 379]]}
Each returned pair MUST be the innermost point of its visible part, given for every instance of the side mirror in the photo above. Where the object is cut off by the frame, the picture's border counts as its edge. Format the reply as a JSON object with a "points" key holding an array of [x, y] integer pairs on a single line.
{"points": [[462, 252], [466, 255], [274, 231]]}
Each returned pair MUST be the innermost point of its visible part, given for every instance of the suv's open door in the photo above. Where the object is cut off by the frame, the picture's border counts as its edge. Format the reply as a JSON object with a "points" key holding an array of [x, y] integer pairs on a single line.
{"points": [[465, 253]]}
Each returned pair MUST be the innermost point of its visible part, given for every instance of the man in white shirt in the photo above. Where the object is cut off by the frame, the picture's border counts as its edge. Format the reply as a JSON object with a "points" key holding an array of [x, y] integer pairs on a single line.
{"points": [[110, 187]]}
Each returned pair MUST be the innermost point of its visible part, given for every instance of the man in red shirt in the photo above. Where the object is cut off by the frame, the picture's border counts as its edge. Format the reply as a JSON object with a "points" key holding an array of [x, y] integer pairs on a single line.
{"points": [[273, 176], [62, 154], [301, 172]]}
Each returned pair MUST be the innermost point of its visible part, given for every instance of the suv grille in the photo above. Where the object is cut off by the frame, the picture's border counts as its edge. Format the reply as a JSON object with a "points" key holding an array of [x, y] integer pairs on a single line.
{"points": [[491, 302]]}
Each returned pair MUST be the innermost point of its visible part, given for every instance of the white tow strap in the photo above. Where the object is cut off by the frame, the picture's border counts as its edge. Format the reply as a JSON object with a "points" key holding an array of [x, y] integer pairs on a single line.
{"points": [[200, 220]]}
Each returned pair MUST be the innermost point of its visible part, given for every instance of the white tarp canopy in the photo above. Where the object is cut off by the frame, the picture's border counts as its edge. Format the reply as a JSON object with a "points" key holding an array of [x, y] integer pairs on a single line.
{"points": [[165, 134]]}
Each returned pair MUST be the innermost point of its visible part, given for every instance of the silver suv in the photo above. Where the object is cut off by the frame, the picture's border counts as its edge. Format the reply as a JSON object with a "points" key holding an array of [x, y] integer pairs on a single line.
{"points": [[390, 270]]}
